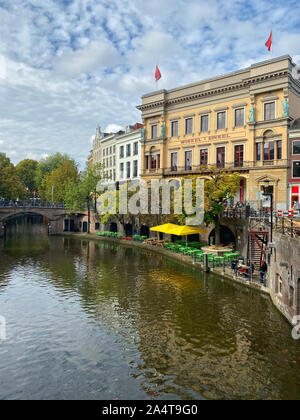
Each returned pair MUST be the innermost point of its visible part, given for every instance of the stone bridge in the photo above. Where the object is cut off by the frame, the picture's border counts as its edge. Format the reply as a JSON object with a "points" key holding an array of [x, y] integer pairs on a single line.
{"points": [[51, 212]]}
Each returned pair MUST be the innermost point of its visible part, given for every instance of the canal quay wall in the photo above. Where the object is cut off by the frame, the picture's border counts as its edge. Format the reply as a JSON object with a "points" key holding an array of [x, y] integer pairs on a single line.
{"points": [[284, 275]]}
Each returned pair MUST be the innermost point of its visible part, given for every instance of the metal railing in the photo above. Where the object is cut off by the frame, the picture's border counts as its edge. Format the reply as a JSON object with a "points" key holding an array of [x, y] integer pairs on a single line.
{"points": [[230, 166], [31, 204]]}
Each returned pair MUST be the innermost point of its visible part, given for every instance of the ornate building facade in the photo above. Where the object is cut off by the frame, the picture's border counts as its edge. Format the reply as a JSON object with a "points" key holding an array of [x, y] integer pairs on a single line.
{"points": [[239, 121]]}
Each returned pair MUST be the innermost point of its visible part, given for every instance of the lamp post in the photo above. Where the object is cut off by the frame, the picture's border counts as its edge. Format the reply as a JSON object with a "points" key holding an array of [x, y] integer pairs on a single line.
{"points": [[268, 194]]}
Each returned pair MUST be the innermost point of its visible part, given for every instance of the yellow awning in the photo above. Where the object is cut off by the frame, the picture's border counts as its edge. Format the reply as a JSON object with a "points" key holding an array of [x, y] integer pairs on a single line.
{"points": [[187, 230], [172, 229], [164, 228]]}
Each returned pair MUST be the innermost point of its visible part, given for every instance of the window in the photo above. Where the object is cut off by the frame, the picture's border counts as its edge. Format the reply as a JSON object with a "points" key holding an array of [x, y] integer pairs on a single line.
{"points": [[107, 162], [174, 129], [110, 161], [188, 161], [258, 151], [204, 123], [296, 169], [121, 170], [173, 161], [114, 174], [296, 147], [128, 150], [154, 131], [114, 149], [221, 120], [269, 111], [203, 157], [220, 157], [121, 152], [155, 162], [279, 149], [189, 126], [103, 163], [269, 150], [239, 117], [110, 150], [103, 152], [238, 156], [135, 148], [147, 162], [135, 168], [128, 170]]}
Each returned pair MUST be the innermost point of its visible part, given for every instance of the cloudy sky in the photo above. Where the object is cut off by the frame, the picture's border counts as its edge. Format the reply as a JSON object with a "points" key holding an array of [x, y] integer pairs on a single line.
{"points": [[68, 65]]}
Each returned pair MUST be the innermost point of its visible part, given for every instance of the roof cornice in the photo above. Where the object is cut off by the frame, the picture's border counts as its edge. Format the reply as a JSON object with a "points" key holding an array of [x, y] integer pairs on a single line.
{"points": [[245, 84]]}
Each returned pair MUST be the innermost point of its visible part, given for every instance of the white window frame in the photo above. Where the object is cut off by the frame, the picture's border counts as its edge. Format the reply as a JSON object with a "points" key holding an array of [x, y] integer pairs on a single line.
{"points": [[294, 154], [294, 177]]}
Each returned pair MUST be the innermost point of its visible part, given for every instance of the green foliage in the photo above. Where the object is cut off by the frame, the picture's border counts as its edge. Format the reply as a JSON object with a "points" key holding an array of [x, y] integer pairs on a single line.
{"points": [[219, 187], [27, 172], [80, 191], [10, 185], [61, 178], [49, 164]]}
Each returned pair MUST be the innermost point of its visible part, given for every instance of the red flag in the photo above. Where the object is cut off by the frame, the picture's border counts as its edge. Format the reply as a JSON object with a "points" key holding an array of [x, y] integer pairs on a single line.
{"points": [[157, 74], [268, 44]]}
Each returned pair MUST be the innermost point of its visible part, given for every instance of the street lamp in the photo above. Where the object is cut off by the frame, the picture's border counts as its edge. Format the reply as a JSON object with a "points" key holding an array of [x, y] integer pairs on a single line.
{"points": [[269, 194]]}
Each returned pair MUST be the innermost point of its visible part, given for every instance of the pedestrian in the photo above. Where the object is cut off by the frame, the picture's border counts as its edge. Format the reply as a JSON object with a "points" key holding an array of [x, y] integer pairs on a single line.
{"points": [[234, 266], [262, 271]]}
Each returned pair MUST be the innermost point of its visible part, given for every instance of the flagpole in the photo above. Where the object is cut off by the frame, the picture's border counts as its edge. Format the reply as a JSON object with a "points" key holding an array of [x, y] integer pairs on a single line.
{"points": [[272, 43]]}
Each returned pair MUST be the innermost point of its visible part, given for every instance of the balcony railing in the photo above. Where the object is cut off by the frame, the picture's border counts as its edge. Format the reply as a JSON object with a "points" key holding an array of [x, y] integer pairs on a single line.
{"points": [[230, 166]]}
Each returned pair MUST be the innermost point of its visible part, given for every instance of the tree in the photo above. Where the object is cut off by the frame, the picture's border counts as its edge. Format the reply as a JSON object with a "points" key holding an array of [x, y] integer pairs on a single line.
{"points": [[219, 187], [10, 185], [80, 192], [49, 164], [27, 172], [59, 179]]}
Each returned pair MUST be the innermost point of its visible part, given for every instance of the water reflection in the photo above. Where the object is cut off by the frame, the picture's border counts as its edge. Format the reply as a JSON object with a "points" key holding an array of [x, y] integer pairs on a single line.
{"points": [[114, 322]]}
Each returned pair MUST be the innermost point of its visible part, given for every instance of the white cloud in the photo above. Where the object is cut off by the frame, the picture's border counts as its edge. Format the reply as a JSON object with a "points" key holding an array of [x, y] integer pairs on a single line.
{"points": [[97, 55]]}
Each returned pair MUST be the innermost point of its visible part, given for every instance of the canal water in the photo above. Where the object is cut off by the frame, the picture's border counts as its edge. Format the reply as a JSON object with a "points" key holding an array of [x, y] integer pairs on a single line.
{"points": [[89, 320]]}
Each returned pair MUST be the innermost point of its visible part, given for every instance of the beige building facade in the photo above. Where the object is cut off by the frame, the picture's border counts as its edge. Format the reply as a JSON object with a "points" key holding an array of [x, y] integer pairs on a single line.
{"points": [[239, 121]]}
